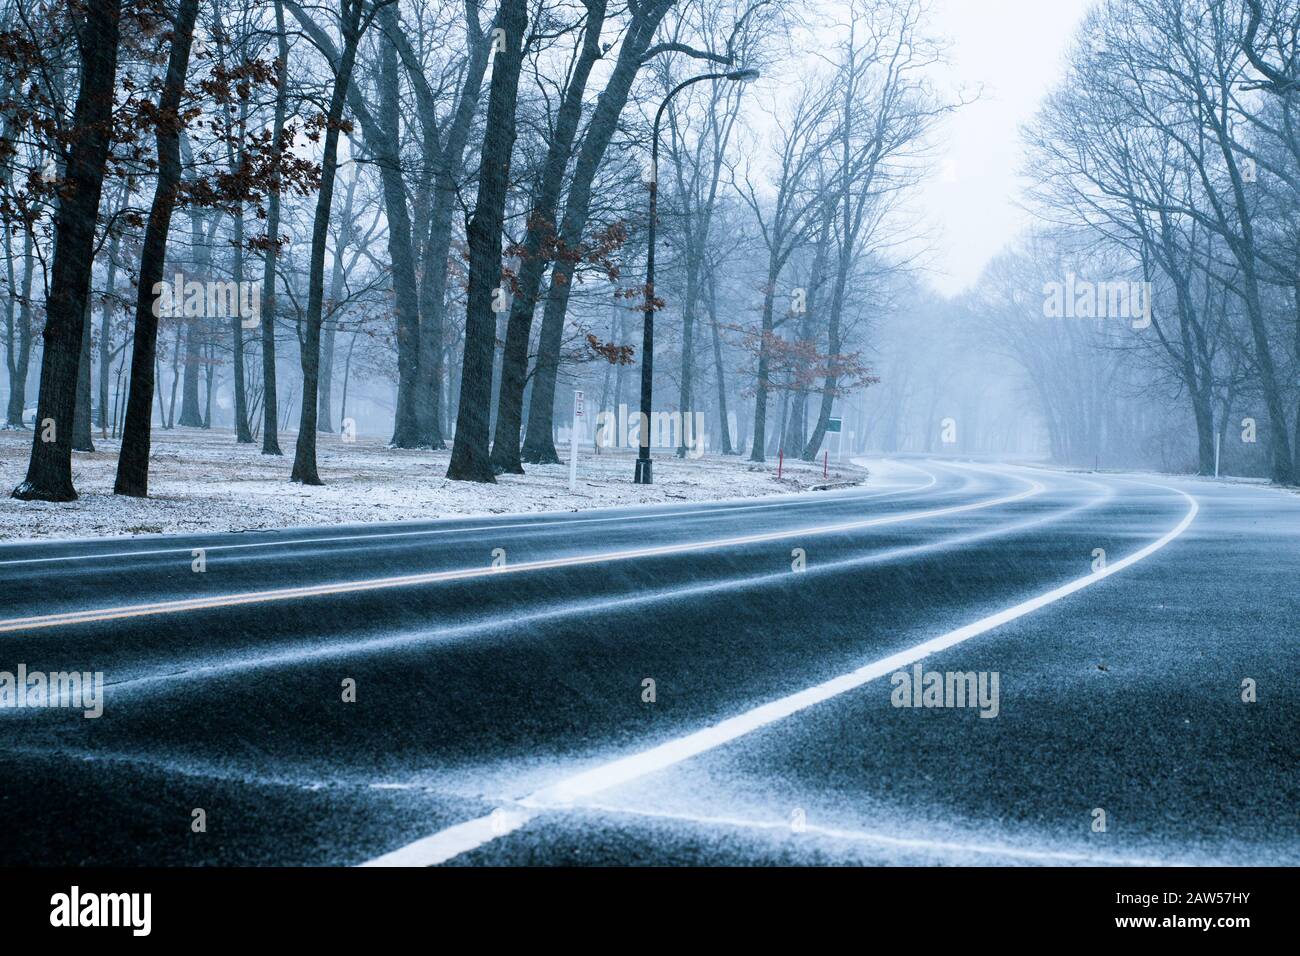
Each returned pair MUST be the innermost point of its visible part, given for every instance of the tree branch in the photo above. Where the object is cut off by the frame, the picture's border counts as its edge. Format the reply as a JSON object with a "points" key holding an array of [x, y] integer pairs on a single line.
{"points": [[725, 59]]}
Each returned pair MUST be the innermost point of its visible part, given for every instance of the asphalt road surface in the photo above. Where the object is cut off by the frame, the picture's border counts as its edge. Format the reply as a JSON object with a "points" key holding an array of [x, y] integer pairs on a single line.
{"points": [[703, 684]]}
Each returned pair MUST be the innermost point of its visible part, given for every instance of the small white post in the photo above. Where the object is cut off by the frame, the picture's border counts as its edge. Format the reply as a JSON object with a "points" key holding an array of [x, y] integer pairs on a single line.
{"points": [[1216, 453], [573, 440]]}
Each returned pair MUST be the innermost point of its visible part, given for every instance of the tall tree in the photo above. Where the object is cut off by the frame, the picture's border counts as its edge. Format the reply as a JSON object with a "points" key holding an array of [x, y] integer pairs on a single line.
{"points": [[236, 137], [355, 17], [271, 249], [470, 460], [885, 110], [406, 431], [785, 227], [382, 135], [635, 52], [133, 459], [532, 251], [445, 193], [49, 471], [18, 341]]}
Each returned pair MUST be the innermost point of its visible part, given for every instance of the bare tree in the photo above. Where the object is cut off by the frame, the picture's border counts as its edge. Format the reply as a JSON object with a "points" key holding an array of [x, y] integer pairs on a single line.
{"points": [[788, 223], [470, 458], [133, 459], [355, 17], [635, 52], [271, 246], [49, 471], [534, 252]]}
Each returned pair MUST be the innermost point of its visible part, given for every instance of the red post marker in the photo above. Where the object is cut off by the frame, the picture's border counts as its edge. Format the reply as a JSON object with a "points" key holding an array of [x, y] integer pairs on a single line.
{"points": [[826, 462], [780, 460]]}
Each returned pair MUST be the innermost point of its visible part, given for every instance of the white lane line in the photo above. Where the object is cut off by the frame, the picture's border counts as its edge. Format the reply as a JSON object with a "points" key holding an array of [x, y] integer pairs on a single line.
{"points": [[581, 786], [435, 577], [295, 654], [453, 841], [918, 844], [708, 510]]}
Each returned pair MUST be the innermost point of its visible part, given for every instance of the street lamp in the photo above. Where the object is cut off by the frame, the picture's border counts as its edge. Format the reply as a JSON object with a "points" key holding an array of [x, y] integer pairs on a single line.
{"points": [[643, 463]]}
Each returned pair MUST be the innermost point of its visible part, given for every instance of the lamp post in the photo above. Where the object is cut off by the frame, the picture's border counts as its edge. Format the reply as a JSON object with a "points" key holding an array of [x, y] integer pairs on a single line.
{"points": [[643, 463]]}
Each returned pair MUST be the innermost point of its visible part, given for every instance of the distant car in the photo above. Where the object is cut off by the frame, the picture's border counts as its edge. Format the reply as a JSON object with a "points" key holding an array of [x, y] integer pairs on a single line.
{"points": [[29, 416]]}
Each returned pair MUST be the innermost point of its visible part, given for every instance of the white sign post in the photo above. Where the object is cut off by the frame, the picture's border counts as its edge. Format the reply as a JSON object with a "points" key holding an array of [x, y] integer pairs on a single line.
{"points": [[573, 440]]}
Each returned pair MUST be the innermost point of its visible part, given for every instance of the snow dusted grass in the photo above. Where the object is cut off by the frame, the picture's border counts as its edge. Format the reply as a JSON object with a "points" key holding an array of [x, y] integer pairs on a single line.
{"points": [[202, 481]]}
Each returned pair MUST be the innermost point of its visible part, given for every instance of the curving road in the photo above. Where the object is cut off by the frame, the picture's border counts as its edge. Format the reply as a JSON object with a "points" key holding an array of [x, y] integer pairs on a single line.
{"points": [[502, 710]]}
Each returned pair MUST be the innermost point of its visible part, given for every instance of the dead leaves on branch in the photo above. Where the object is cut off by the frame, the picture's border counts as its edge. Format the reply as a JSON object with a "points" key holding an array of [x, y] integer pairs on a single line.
{"points": [[596, 253], [611, 352], [38, 134], [798, 365]]}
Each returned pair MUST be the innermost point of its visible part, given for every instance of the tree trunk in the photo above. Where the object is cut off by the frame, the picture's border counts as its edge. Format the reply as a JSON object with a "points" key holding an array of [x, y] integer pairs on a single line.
{"points": [[688, 346], [539, 445], [382, 136], [209, 373], [11, 327], [201, 331], [106, 336], [831, 382], [200, 254], [304, 461], [325, 379], [133, 460], [329, 327], [163, 418], [243, 436], [191, 416], [169, 421], [1295, 304], [470, 460], [761, 387], [82, 440], [724, 424], [540, 227], [19, 363], [347, 375], [270, 409], [406, 306], [49, 472], [433, 283]]}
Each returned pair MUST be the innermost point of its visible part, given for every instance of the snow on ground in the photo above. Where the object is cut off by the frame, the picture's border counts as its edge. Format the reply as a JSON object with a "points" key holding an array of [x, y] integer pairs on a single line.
{"points": [[202, 481]]}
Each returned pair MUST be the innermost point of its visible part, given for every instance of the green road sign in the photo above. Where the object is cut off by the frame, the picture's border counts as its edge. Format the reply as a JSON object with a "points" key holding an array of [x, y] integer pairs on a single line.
{"points": [[833, 425]]}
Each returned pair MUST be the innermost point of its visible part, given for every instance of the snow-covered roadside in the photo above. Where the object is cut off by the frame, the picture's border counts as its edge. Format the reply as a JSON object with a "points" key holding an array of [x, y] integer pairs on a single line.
{"points": [[1263, 484], [202, 481]]}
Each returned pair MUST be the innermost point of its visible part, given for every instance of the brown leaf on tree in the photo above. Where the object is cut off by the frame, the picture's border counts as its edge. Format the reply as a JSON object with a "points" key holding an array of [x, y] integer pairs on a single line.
{"points": [[611, 352]]}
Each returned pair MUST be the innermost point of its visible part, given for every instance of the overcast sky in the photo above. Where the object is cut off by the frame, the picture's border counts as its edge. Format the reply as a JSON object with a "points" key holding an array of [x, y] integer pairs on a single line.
{"points": [[1016, 49]]}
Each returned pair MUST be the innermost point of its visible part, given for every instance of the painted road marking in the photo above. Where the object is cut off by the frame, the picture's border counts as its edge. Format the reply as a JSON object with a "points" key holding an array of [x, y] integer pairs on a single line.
{"points": [[442, 846], [708, 509], [295, 653], [436, 577]]}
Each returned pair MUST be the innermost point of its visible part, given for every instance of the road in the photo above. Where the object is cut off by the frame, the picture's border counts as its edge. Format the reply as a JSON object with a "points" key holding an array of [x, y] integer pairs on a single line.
{"points": [[502, 713]]}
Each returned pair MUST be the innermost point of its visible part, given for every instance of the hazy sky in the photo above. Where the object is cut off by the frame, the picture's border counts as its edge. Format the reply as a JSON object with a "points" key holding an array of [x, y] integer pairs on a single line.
{"points": [[1016, 49]]}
